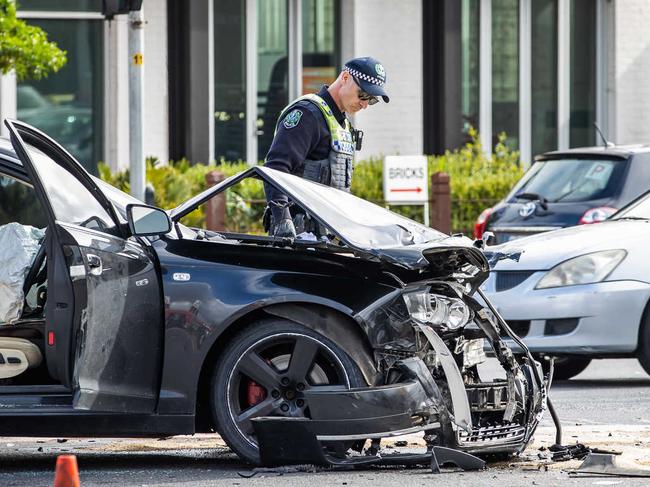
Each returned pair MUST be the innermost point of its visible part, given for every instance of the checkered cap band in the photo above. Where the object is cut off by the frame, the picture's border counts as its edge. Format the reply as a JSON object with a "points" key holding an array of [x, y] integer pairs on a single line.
{"points": [[365, 77]]}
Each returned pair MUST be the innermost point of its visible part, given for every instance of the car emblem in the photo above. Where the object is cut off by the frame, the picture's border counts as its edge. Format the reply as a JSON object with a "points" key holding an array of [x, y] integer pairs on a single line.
{"points": [[180, 276], [528, 209]]}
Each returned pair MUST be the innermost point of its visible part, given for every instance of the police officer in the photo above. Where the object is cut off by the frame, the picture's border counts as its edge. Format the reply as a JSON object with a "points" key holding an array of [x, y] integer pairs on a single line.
{"points": [[314, 139]]}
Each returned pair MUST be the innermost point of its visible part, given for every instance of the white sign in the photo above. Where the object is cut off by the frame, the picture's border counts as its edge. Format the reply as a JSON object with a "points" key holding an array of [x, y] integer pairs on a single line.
{"points": [[405, 179]]}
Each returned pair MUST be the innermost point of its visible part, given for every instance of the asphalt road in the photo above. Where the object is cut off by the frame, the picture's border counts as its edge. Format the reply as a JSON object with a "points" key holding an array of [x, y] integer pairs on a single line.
{"points": [[607, 406]]}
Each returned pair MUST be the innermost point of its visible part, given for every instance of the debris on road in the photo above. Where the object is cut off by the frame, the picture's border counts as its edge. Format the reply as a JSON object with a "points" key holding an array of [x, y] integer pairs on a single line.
{"points": [[607, 465], [304, 448], [279, 470], [562, 453]]}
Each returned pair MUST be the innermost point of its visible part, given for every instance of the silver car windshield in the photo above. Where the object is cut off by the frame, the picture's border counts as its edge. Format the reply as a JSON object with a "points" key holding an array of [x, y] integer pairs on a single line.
{"points": [[361, 223]]}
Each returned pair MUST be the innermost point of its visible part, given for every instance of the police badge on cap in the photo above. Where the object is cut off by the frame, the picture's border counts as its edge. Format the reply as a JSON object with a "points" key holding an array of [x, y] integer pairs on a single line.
{"points": [[370, 74]]}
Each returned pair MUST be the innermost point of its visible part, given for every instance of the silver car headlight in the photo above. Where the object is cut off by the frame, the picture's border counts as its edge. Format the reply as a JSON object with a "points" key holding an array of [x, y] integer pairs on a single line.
{"points": [[436, 309], [585, 269]]}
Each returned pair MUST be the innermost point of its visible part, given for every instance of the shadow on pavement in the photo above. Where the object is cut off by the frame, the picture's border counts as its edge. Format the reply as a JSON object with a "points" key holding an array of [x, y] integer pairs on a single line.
{"points": [[204, 459], [595, 383]]}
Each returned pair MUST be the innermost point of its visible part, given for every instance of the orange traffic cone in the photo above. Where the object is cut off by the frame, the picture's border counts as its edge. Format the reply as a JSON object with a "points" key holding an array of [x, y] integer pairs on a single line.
{"points": [[67, 473]]}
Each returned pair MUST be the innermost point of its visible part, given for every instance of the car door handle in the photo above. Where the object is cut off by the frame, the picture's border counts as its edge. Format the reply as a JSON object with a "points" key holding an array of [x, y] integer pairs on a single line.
{"points": [[94, 264]]}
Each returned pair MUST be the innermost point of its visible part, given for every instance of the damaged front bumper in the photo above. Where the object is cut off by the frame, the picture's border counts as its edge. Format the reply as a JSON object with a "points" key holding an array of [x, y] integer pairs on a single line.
{"points": [[434, 392]]}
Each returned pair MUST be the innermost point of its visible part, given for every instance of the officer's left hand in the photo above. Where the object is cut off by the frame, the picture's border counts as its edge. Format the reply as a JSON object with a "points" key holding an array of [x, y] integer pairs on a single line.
{"points": [[285, 228]]}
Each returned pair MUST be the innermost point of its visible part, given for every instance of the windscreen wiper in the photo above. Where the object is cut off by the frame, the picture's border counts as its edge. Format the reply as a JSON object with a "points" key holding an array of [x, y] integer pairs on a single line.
{"points": [[543, 202]]}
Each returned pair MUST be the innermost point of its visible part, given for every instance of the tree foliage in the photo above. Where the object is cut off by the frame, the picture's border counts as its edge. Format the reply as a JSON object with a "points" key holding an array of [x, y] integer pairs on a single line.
{"points": [[24, 48]]}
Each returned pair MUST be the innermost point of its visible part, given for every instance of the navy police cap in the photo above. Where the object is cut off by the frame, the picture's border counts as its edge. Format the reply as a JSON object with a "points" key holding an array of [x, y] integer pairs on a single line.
{"points": [[370, 74]]}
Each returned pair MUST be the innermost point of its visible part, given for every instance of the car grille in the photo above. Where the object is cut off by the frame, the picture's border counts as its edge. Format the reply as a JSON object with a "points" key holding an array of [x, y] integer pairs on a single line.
{"points": [[508, 279], [506, 431], [492, 396], [520, 327]]}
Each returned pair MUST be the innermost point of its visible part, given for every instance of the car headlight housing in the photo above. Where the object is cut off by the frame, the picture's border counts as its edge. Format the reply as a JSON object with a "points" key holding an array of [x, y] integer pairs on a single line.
{"points": [[436, 309], [585, 269]]}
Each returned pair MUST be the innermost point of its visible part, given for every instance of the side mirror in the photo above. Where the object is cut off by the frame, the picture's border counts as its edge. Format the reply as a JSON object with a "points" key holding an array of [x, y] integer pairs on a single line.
{"points": [[147, 220]]}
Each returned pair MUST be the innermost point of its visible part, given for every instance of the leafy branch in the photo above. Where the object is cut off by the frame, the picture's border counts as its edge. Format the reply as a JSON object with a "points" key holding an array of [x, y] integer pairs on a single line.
{"points": [[25, 48]]}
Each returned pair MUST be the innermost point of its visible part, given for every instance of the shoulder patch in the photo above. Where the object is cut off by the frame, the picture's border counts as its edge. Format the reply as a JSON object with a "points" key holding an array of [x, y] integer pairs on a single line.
{"points": [[293, 119]]}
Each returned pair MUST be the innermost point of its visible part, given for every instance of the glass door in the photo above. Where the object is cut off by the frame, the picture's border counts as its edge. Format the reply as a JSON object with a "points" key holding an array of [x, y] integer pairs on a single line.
{"points": [[272, 69], [320, 59], [68, 105], [230, 80], [253, 63], [505, 70]]}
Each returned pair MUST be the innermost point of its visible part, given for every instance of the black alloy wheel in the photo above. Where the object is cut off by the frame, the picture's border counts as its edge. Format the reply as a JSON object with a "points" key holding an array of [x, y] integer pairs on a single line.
{"points": [[264, 371]]}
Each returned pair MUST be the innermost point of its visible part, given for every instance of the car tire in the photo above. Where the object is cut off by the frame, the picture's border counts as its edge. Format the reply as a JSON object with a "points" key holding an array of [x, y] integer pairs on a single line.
{"points": [[566, 367], [257, 375], [643, 354]]}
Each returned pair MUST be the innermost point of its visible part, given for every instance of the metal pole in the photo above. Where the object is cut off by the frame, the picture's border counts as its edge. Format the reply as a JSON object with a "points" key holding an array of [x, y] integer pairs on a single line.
{"points": [[295, 49], [136, 103], [563, 74], [251, 82], [485, 75], [525, 79]]}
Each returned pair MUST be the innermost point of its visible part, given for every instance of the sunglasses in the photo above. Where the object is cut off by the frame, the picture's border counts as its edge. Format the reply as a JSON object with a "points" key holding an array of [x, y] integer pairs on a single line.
{"points": [[363, 96]]}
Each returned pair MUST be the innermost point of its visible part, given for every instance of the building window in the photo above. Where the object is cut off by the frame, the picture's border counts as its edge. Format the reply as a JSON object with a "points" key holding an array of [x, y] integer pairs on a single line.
{"points": [[320, 60], [470, 21], [68, 105], [583, 73], [61, 5], [230, 80], [505, 70], [264, 85], [544, 76], [272, 68]]}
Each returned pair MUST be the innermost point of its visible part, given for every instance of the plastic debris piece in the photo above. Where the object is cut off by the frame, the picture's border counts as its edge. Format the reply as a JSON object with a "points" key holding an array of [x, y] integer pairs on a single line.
{"points": [[606, 464]]}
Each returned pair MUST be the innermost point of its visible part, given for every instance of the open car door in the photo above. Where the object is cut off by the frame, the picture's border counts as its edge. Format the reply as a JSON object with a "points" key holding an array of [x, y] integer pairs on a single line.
{"points": [[103, 314]]}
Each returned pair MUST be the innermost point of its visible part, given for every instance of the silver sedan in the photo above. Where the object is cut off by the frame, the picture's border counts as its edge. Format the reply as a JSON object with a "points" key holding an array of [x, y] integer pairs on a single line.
{"points": [[580, 292]]}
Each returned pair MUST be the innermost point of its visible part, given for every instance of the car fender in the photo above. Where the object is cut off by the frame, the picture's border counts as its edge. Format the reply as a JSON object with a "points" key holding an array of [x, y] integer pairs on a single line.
{"points": [[341, 329]]}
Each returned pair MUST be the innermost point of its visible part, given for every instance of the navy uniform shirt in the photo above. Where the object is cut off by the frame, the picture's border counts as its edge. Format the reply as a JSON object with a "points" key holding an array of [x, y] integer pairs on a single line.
{"points": [[293, 143]]}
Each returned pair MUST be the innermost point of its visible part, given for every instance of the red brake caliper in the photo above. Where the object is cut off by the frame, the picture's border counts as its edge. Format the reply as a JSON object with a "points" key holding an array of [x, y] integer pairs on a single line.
{"points": [[255, 393]]}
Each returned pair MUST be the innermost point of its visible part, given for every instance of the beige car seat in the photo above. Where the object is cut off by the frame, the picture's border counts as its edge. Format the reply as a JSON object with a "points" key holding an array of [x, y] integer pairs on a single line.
{"points": [[17, 355]]}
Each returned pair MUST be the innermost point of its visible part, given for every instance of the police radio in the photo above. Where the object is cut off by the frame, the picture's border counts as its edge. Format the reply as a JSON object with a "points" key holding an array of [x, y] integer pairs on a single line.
{"points": [[357, 138]]}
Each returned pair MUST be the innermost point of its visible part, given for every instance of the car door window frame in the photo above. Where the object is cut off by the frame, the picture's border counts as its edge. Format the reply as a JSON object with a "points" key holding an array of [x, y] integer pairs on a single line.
{"points": [[28, 135]]}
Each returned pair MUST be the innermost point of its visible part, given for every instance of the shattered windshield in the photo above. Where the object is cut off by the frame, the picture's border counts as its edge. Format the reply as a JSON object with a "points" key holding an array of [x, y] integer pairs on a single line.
{"points": [[361, 223]]}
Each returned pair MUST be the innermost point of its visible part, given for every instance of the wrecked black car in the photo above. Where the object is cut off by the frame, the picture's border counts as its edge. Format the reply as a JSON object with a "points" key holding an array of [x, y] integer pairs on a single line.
{"points": [[134, 324]]}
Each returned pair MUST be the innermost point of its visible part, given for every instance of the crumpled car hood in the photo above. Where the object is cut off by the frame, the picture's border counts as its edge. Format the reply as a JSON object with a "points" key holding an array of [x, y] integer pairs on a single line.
{"points": [[545, 250], [450, 257], [368, 229]]}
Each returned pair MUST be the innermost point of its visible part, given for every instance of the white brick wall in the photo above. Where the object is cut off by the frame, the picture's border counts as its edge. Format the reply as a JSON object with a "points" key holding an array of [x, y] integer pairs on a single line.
{"points": [[394, 128], [632, 71]]}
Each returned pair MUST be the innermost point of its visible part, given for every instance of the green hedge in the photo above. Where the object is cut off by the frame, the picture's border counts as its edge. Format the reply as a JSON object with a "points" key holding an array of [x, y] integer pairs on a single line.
{"points": [[476, 183]]}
